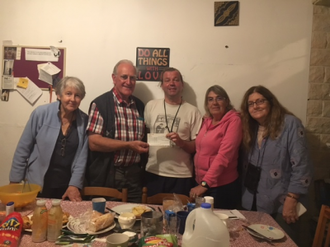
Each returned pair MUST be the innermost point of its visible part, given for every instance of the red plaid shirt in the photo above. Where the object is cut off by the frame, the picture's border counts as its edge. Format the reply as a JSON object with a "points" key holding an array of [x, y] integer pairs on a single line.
{"points": [[129, 127]]}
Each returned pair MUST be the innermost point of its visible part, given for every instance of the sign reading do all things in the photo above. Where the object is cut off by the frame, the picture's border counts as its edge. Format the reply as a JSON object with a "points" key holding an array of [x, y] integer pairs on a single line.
{"points": [[150, 62]]}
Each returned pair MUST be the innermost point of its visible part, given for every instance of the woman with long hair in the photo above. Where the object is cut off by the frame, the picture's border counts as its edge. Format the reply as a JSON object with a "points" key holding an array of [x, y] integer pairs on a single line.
{"points": [[277, 170]]}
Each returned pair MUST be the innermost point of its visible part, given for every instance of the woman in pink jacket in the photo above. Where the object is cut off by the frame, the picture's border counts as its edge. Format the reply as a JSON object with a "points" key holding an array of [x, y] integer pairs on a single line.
{"points": [[217, 147]]}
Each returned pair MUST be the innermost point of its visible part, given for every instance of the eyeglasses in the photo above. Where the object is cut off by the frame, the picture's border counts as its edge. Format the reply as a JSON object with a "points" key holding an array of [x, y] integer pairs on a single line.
{"points": [[63, 143], [258, 102], [125, 77], [216, 99]]}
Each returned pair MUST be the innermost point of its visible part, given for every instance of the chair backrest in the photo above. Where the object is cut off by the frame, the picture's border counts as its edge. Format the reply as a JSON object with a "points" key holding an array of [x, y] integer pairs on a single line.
{"points": [[323, 227], [158, 198], [106, 192]]}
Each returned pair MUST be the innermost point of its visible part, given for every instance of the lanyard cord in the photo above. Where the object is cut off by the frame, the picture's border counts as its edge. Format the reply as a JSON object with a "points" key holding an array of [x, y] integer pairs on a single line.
{"points": [[170, 130]]}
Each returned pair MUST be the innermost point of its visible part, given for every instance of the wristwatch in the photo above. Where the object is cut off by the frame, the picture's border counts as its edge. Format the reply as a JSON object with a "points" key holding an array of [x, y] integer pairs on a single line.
{"points": [[205, 185]]}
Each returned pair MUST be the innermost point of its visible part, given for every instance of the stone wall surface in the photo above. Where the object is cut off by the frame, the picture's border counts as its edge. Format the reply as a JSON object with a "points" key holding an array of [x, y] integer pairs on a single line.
{"points": [[318, 107]]}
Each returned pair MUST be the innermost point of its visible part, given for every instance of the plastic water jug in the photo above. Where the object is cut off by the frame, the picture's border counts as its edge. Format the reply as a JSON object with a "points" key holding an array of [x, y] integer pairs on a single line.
{"points": [[204, 228]]}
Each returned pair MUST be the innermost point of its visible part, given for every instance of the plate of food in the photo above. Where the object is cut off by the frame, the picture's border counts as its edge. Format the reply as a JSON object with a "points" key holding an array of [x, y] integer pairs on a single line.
{"points": [[269, 232], [136, 209], [97, 223], [28, 221]]}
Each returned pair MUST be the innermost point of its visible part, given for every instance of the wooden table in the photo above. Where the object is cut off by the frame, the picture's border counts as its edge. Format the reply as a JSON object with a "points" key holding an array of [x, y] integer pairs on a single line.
{"points": [[239, 237]]}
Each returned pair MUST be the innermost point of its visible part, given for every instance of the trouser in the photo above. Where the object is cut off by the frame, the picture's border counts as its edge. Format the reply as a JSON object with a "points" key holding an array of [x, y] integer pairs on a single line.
{"points": [[298, 231], [130, 177]]}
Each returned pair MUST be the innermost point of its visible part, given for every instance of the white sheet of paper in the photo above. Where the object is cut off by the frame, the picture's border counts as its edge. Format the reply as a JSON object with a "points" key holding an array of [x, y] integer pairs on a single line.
{"points": [[300, 209], [31, 93], [8, 82], [233, 213], [46, 72], [40, 55], [158, 140]]}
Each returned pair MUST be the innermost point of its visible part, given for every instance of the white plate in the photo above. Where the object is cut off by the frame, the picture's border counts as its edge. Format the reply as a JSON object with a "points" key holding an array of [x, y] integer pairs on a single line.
{"points": [[267, 231], [127, 208], [78, 227], [30, 216]]}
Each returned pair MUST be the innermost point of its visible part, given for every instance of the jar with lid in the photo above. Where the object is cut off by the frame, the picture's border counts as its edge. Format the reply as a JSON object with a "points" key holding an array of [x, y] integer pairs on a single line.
{"points": [[54, 225], [39, 226]]}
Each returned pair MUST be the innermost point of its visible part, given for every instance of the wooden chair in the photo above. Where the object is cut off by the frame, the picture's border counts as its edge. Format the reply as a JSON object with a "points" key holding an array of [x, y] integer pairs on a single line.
{"points": [[158, 198], [106, 192], [322, 233]]}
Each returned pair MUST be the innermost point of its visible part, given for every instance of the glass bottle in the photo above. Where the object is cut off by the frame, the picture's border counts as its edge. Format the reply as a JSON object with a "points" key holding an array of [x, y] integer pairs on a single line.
{"points": [[39, 226], [54, 225]]}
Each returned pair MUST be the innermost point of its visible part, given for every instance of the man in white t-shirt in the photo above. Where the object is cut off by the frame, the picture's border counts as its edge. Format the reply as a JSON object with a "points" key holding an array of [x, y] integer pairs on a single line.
{"points": [[170, 168]]}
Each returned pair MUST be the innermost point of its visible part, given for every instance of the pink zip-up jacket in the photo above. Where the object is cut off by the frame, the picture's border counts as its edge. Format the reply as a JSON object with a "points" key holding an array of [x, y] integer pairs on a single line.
{"points": [[216, 146]]}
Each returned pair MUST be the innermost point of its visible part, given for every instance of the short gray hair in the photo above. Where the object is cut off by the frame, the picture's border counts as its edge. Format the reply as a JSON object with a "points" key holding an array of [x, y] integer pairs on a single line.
{"points": [[70, 81], [115, 69]]}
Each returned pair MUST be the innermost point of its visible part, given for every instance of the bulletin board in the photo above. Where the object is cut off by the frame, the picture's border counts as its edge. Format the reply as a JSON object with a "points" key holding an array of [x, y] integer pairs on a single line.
{"points": [[24, 68]]}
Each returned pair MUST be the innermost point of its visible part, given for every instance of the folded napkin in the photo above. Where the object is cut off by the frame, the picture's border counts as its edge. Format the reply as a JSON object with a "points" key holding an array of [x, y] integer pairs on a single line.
{"points": [[233, 214]]}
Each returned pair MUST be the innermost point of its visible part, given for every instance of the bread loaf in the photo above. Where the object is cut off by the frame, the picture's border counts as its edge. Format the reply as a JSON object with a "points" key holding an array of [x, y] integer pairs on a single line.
{"points": [[100, 222]]}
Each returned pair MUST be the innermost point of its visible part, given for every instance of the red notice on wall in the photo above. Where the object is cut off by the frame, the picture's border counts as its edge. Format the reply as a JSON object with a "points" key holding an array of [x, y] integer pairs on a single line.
{"points": [[150, 62]]}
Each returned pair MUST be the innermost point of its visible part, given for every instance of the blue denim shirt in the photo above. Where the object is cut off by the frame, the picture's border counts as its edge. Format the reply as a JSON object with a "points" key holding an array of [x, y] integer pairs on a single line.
{"points": [[285, 167]]}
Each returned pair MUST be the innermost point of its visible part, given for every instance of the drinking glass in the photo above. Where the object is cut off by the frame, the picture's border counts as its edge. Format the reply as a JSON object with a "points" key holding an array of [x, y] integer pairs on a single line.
{"points": [[151, 223], [199, 201]]}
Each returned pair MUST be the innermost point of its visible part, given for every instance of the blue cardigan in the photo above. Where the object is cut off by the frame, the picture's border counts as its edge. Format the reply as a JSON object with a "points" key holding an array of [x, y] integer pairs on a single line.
{"points": [[37, 144]]}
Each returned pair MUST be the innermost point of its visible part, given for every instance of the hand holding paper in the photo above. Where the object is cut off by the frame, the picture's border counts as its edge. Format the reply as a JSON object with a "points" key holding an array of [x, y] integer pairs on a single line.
{"points": [[158, 140]]}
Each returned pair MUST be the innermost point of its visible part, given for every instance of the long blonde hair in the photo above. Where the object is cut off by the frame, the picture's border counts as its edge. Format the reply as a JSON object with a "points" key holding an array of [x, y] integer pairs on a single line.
{"points": [[274, 120]]}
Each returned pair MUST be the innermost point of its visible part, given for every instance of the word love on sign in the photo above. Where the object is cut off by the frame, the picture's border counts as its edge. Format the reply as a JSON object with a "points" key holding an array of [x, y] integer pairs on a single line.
{"points": [[151, 62]]}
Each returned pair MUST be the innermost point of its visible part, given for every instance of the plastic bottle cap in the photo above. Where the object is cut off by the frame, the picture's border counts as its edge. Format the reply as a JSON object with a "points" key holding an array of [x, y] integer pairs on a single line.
{"points": [[56, 202], [209, 199], [170, 213], [41, 202], [10, 203], [206, 205]]}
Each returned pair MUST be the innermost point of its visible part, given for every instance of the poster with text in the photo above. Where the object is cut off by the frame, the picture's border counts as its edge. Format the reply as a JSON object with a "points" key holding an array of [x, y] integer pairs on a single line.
{"points": [[150, 62]]}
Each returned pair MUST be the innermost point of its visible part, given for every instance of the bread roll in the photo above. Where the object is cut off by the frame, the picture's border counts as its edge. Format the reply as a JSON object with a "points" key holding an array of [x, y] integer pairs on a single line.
{"points": [[27, 223], [100, 222]]}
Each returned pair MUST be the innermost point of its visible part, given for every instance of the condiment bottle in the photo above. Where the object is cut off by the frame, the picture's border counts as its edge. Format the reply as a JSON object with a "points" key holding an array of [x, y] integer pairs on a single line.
{"points": [[39, 226], [204, 228], [191, 206], [54, 225], [10, 208], [170, 222]]}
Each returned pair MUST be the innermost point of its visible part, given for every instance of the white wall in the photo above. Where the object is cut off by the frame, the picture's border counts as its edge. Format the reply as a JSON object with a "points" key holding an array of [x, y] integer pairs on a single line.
{"points": [[271, 46]]}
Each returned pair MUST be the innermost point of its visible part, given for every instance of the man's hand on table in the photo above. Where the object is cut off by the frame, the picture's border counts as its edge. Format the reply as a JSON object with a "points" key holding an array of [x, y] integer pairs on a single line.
{"points": [[73, 194]]}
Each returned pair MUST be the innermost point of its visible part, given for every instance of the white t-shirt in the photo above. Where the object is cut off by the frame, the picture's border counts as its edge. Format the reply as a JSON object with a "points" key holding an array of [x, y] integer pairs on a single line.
{"points": [[171, 161]]}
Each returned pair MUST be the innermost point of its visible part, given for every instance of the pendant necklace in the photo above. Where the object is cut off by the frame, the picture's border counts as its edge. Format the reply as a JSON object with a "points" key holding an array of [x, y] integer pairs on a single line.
{"points": [[171, 130]]}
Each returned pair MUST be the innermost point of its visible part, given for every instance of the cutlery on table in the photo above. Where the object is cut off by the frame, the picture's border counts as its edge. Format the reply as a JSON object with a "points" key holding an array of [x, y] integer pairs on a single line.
{"points": [[113, 211], [68, 232], [67, 238], [263, 237]]}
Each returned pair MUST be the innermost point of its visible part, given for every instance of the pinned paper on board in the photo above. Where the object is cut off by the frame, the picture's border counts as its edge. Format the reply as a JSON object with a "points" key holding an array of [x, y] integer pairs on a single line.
{"points": [[31, 93], [23, 83], [21, 61], [48, 72], [7, 82]]}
